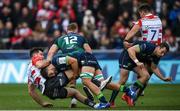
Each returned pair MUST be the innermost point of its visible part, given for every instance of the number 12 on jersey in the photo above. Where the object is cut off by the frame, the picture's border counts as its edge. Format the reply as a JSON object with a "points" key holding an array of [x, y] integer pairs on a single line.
{"points": [[70, 40]]}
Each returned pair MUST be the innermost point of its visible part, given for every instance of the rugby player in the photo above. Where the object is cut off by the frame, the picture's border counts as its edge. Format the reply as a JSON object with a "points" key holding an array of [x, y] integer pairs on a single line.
{"points": [[134, 58], [150, 27], [51, 84], [73, 43]]}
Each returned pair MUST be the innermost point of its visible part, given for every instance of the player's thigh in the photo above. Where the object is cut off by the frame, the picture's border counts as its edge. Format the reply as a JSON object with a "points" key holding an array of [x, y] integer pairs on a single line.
{"points": [[60, 62], [87, 69], [71, 92], [97, 72]]}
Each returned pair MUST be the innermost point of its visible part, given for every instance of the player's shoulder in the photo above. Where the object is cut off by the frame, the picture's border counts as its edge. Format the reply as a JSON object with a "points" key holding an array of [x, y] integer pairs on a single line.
{"points": [[150, 17], [77, 35]]}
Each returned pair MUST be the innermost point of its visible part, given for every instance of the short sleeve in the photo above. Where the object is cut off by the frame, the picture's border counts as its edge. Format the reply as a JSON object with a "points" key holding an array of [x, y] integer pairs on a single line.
{"points": [[84, 40], [56, 41], [139, 22]]}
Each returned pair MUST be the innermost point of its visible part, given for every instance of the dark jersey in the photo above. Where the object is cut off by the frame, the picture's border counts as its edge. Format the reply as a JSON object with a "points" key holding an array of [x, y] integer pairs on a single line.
{"points": [[145, 55], [70, 43]]}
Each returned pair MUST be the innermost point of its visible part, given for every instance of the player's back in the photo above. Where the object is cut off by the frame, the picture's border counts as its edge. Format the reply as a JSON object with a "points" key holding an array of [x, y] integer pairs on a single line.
{"points": [[71, 42], [151, 26]]}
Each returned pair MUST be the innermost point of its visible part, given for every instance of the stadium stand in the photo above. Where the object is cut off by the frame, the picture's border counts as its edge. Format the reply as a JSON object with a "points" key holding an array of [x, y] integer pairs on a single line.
{"points": [[28, 23]]}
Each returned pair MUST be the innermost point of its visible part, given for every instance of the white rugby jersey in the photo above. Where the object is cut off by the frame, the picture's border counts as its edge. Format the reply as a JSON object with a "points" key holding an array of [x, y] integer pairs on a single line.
{"points": [[151, 28], [35, 77]]}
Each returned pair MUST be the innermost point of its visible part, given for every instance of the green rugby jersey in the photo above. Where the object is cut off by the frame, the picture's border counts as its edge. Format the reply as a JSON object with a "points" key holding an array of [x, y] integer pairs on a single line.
{"points": [[70, 43]]}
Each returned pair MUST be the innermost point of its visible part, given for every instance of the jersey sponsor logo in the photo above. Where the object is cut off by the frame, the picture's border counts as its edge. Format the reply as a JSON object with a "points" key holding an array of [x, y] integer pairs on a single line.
{"points": [[61, 60], [94, 62], [125, 66]]}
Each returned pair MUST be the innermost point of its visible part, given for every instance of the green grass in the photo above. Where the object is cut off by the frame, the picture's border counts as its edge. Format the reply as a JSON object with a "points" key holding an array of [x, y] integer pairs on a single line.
{"points": [[159, 97]]}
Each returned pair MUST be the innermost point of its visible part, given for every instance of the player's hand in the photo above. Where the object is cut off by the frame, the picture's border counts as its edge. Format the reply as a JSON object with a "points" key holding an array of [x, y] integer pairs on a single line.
{"points": [[168, 79], [127, 44], [47, 104], [140, 65]]}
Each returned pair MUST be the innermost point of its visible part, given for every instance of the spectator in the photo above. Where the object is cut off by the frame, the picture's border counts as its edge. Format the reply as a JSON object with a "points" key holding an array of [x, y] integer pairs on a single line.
{"points": [[16, 13], [118, 32], [171, 39], [103, 22], [89, 23], [5, 14], [27, 17], [45, 14], [52, 26]]}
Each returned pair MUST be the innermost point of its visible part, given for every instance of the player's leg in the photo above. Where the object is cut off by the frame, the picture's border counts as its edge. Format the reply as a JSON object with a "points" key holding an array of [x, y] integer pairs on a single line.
{"points": [[124, 67], [89, 63], [99, 76], [76, 94], [86, 76], [71, 92], [145, 85], [124, 74], [72, 84], [138, 85], [63, 62], [99, 81]]}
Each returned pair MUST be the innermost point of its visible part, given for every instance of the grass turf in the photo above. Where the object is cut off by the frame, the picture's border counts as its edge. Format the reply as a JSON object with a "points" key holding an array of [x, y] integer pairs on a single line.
{"points": [[159, 97]]}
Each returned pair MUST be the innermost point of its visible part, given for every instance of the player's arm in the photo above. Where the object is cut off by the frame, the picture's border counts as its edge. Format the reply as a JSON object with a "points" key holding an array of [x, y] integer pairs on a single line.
{"points": [[36, 97], [157, 72], [132, 51], [132, 32], [87, 48], [129, 35], [54, 48], [42, 64]]}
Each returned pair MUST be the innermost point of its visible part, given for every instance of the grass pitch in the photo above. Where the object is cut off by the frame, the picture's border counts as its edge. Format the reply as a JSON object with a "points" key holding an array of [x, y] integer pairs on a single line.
{"points": [[159, 97]]}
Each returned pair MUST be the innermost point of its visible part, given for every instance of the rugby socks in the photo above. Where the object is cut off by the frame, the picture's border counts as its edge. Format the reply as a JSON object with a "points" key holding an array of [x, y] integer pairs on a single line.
{"points": [[113, 96], [122, 88], [141, 90], [89, 102], [101, 98], [99, 77], [138, 85], [96, 82]]}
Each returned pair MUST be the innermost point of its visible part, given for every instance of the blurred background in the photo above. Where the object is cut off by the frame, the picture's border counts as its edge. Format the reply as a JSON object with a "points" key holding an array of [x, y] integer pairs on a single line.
{"points": [[104, 23]]}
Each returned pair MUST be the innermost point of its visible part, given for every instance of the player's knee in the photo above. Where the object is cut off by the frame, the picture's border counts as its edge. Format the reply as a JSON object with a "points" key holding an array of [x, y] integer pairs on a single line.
{"points": [[146, 76], [86, 81], [123, 81]]}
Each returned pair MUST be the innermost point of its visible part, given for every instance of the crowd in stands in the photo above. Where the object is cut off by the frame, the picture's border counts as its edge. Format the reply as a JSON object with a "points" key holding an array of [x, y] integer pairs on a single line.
{"points": [[104, 23]]}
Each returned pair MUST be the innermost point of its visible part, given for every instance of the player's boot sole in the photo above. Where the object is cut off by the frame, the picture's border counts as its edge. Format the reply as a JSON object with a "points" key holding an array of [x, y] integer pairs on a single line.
{"points": [[105, 83]]}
